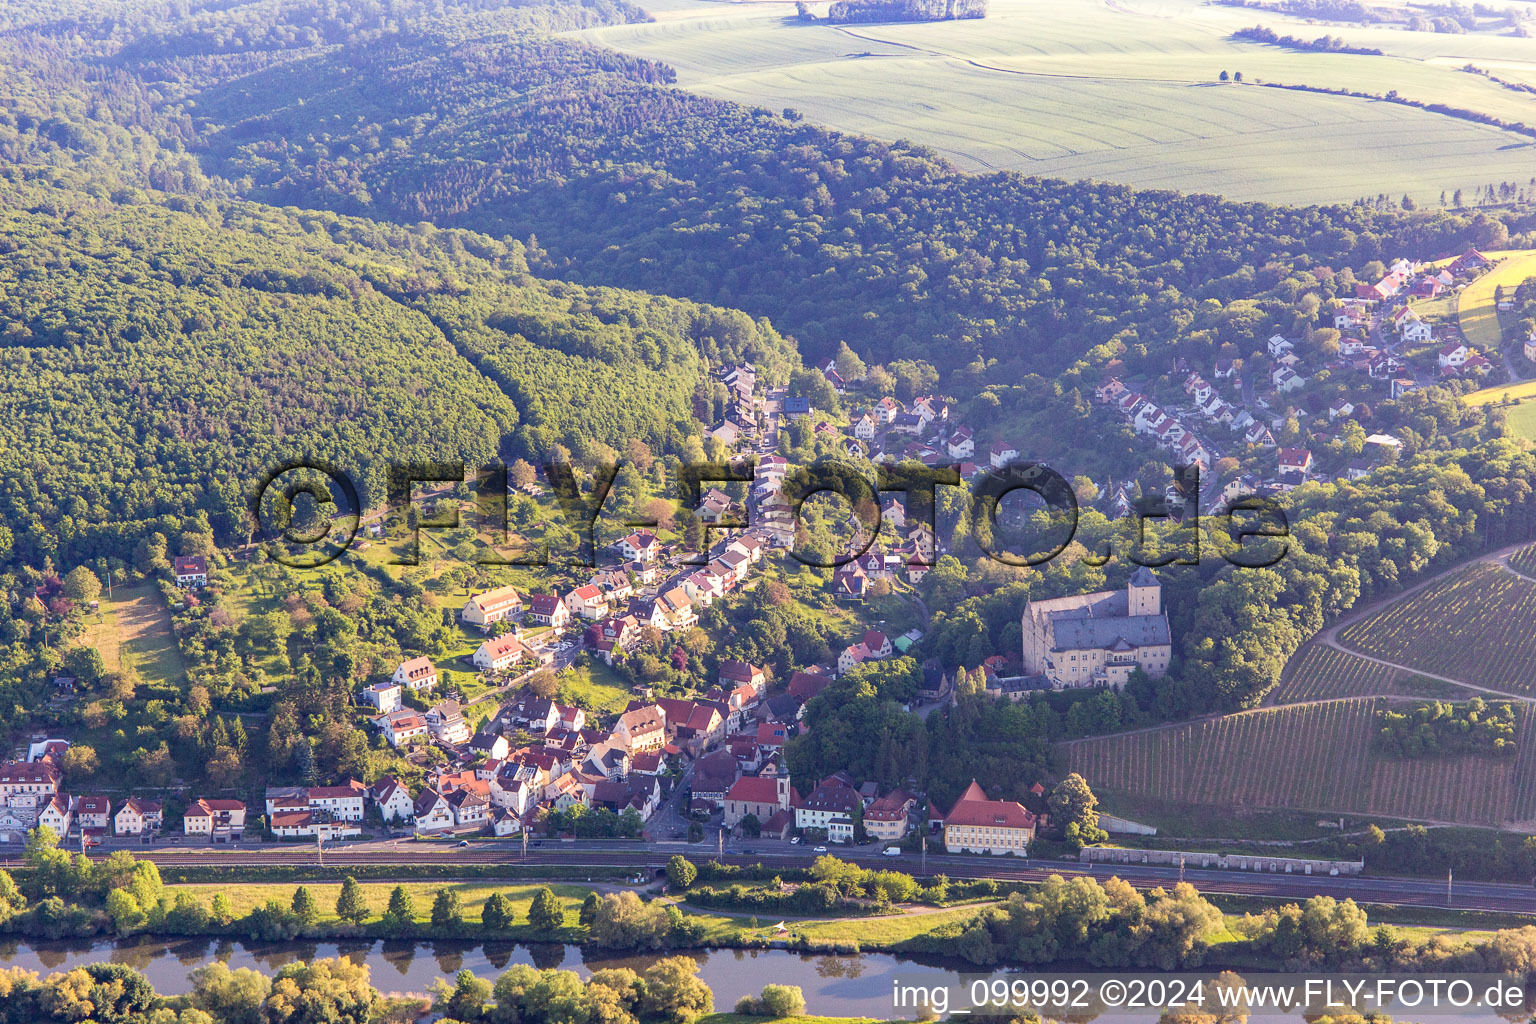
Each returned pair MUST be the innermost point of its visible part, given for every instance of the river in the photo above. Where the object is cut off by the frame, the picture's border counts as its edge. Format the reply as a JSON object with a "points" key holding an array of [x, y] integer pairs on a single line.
{"points": [[842, 986], [858, 985]]}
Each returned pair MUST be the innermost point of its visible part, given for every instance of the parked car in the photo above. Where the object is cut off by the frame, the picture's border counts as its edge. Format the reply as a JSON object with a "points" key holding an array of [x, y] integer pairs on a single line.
{"points": [[794, 840]]}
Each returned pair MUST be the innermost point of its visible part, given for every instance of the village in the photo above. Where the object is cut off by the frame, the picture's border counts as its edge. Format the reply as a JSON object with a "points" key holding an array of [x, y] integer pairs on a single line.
{"points": [[681, 768], [1272, 413]]}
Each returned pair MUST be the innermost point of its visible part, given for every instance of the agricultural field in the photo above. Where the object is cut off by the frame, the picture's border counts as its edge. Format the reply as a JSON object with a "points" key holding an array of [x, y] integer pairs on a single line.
{"points": [[1313, 757], [1325, 673], [1477, 311], [1125, 92], [1473, 626]]}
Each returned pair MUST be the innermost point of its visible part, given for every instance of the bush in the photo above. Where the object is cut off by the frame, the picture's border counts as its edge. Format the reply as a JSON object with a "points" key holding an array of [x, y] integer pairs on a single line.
{"points": [[680, 872]]}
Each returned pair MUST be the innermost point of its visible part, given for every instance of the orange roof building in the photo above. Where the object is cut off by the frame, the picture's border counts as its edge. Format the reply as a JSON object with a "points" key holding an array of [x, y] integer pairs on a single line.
{"points": [[979, 825]]}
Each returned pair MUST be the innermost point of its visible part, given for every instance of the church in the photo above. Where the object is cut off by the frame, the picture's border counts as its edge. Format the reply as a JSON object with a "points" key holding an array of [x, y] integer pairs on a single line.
{"points": [[1098, 639]]}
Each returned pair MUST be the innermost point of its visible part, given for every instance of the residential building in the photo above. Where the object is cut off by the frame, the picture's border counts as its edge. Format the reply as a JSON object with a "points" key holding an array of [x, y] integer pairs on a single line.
{"points": [[137, 816], [416, 674], [641, 546], [587, 602], [471, 809], [548, 610], [833, 801], [403, 726], [433, 812], [311, 824], [344, 802], [889, 817], [93, 813], [191, 572], [392, 799], [56, 813], [979, 825], [219, 820], [499, 653], [641, 729], [738, 673], [493, 745], [446, 724], [492, 606], [383, 697], [19, 778]]}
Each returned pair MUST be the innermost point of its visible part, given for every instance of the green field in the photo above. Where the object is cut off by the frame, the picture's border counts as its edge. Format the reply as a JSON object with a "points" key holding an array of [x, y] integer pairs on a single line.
{"points": [[1121, 91], [1477, 310], [246, 896], [1522, 420]]}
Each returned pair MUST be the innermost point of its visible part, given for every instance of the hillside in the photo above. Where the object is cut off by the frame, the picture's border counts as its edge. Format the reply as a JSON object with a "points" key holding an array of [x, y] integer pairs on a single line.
{"points": [[160, 355], [1128, 92], [483, 122], [1310, 757]]}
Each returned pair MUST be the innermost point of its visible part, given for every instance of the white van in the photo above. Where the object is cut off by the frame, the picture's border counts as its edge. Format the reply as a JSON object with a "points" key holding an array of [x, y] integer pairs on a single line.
{"points": [[892, 851]]}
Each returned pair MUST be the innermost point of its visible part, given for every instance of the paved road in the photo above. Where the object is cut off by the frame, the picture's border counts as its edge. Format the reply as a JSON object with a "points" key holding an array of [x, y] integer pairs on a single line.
{"points": [[1489, 896]]}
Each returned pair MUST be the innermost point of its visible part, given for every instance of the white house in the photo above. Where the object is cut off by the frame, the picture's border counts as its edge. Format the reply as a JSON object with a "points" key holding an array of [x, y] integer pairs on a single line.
{"points": [[1287, 379], [1454, 354], [136, 816], [400, 727], [416, 674], [393, 800], [433, 812], [499, 653], [384, 697], [961, 444], [445, 723], [1002, 453], [587, 601], [191, 572], [216, 819], [303, 824], [642, 546], [548, 610]]}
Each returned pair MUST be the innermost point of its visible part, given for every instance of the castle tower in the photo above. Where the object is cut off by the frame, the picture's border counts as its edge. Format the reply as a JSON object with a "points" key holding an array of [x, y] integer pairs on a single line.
{"points": [[1145, 593]]}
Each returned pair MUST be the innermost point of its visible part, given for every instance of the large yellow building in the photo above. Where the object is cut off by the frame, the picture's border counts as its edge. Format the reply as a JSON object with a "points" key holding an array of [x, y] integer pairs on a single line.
{"points": [[1098, 639], [978, 825]]}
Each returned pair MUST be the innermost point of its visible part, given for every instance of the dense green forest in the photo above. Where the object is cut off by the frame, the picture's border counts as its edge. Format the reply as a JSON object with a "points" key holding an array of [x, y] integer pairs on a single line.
{"points": [[837, 238], [158, 359]]}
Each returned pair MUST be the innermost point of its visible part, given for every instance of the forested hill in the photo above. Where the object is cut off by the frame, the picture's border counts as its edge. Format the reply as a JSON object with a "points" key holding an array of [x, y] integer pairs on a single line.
{"points": [[469, 114], [626, 180], [155, 360]]}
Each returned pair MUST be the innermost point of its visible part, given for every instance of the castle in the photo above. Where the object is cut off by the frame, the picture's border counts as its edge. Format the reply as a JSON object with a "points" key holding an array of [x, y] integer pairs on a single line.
{"points": [[1098, 639]]}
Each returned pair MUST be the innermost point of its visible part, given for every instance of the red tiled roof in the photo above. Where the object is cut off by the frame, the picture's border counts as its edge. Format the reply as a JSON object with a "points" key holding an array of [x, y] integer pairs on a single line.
{"points": [[753, 789], [973, 808]]}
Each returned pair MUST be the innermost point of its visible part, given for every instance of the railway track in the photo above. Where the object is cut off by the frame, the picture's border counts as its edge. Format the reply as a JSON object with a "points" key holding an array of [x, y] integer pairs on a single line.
{"points": [[1405, 892]]}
